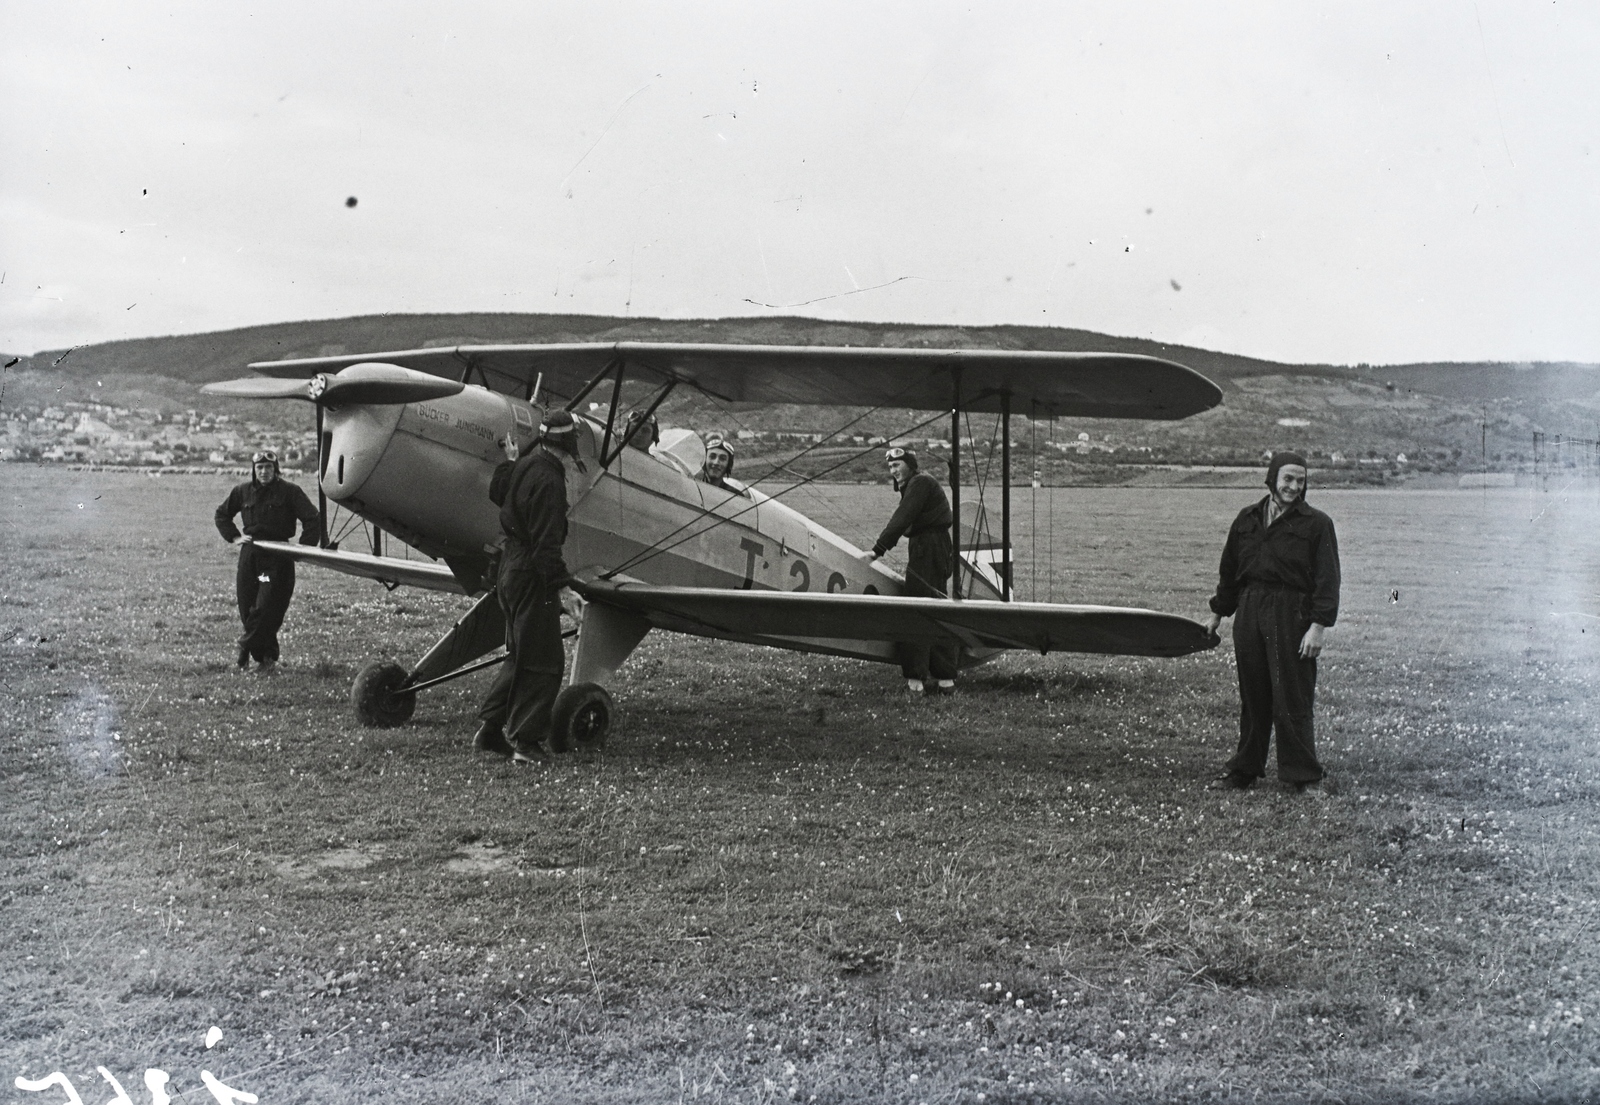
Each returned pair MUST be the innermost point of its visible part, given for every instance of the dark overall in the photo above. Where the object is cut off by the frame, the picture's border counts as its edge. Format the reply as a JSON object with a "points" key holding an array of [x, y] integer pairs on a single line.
{"points": [[264, 582], [923, 517], [534, 518], [1277, 581]]}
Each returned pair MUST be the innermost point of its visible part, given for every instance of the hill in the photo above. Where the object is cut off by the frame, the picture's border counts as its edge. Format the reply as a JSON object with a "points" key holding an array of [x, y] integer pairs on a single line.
{"points": [[1440, 415]]}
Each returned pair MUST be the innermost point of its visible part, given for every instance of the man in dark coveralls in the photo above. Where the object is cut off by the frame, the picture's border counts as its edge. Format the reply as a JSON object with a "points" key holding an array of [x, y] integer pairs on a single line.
{"points": [[923, 517], [532, 494], [265, 580], [1280, 577]]}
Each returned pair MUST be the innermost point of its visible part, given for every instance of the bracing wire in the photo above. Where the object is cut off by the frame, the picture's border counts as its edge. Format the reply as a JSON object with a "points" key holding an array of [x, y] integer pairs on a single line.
{"points": [[1050, 576], [659, 546], [783, 466], [1033, 506], [656, 547], [982, 477], [351, 521]]}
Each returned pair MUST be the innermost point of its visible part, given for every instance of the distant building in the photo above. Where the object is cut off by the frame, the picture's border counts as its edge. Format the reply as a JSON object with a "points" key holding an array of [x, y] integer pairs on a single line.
{"points": [[91, 431]]}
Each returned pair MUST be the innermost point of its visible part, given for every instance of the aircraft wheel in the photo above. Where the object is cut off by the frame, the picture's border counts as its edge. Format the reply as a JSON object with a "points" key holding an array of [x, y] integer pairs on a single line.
{"points": [[581, 718], [378, 702]]}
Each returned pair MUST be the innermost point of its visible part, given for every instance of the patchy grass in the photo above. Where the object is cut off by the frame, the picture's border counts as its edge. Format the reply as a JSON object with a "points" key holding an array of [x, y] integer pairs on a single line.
{"points": [[784, 879]]}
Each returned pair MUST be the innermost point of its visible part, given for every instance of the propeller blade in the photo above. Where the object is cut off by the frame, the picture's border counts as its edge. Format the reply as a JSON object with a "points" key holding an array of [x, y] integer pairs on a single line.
{"points": [[259, 387], [379, 384], [369, 383]]}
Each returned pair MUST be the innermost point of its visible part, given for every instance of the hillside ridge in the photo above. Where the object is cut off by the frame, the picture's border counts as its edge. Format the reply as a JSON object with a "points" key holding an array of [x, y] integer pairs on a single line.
{"points": [[223, 354]]}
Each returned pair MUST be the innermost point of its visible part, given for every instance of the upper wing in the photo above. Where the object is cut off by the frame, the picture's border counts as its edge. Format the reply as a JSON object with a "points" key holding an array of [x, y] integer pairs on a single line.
{"points": [[385, 569], [1045, 627], [1094, 385]]}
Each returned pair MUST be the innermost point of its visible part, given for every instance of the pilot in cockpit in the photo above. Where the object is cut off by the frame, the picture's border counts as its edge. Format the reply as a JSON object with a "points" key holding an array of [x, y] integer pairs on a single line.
{"points": [[641, 431], [719, 463]]}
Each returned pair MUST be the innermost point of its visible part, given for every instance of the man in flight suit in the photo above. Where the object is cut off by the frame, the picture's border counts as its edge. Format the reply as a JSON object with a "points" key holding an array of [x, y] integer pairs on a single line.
{"points": [[265, 580], [923, 517], [641, 431], [533, 516], [1280, 577]]}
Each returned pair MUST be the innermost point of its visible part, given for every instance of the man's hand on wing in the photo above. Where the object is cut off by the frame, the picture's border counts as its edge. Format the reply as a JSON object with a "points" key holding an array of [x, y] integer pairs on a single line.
{"points": [[1212, 622], [571, 604]]}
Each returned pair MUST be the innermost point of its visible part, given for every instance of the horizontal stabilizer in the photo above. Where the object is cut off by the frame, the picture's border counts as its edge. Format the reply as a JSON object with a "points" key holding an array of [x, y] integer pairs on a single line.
{"points": [[774, 615], [390, 570]]}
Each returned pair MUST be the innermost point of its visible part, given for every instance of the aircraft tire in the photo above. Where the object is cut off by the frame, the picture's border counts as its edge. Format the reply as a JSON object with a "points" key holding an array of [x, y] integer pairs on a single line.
{"points": [[375, 698], [581, 719]]}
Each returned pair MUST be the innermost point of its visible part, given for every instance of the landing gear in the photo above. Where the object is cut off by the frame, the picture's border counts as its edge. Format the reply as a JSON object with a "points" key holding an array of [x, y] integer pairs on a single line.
{"points": [[378, 700], [581, 719]]}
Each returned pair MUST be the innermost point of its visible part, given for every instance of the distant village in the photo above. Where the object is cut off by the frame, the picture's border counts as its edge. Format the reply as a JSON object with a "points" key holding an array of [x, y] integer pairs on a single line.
{"points": [[104, 434], [99, 433]]}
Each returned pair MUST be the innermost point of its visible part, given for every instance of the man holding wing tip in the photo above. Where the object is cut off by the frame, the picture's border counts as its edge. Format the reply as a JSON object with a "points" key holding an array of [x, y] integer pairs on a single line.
{"points": [[1279, 577]]}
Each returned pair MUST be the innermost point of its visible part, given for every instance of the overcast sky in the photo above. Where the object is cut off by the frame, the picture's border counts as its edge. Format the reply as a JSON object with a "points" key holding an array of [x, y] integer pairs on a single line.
{"points": [[1344, 182]]}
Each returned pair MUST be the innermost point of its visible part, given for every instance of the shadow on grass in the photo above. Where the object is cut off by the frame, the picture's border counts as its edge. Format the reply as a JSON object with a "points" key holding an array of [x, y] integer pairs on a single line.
{"points": [[1067, 685]]}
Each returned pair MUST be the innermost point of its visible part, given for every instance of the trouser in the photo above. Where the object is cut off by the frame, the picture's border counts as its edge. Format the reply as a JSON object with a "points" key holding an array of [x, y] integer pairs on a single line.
{"points": [[264, 585], [1276, 686], [928, 577], [524, 691]]}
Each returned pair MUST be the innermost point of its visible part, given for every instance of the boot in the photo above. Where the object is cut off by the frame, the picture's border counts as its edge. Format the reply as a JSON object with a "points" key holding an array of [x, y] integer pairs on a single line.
{"points": [[491, 739]]}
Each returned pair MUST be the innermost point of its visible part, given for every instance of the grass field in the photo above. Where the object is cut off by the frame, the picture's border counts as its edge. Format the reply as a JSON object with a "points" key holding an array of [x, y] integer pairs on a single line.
{"points": [[784, 880]]}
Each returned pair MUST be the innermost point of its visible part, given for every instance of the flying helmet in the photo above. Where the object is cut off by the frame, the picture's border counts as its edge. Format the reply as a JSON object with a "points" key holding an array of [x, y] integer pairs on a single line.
{"points": [[717, 441], [637, 419]]}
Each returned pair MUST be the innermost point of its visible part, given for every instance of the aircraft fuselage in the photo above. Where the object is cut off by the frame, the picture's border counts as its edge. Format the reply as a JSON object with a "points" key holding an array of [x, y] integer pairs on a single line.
{"points": [[421, 471]]}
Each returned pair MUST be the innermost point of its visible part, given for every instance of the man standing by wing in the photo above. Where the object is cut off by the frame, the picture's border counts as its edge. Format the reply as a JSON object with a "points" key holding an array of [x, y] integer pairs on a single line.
{"points": [[264, 583], [1280, 576], [532, 495], [923, 518]]}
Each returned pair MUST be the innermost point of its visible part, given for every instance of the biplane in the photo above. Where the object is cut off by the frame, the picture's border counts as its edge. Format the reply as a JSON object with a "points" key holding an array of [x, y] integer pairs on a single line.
{"points": [[408, 442]]}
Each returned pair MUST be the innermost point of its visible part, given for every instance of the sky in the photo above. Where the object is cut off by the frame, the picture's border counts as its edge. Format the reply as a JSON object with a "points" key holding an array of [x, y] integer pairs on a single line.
{"points": [[1374, 182]]}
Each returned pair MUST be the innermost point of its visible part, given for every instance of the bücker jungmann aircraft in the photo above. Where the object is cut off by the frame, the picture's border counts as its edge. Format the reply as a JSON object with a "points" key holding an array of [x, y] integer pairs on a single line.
{"points": [[408, 442]]}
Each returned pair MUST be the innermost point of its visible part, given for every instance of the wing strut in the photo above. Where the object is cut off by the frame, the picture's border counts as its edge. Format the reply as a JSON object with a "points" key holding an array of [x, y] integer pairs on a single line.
{"points": [[660, 397], [955, 479], [322, 497], [1005, 494], [594, 381]]}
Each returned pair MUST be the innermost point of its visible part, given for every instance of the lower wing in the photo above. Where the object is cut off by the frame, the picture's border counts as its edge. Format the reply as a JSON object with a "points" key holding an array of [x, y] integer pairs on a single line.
{"points": [[391, 571], [1040, 626], [773, 616]]}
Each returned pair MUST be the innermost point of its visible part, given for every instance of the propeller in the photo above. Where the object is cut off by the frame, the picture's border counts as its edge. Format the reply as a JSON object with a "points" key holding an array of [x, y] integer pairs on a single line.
{"points": [[370, 383], [367, 384]]}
